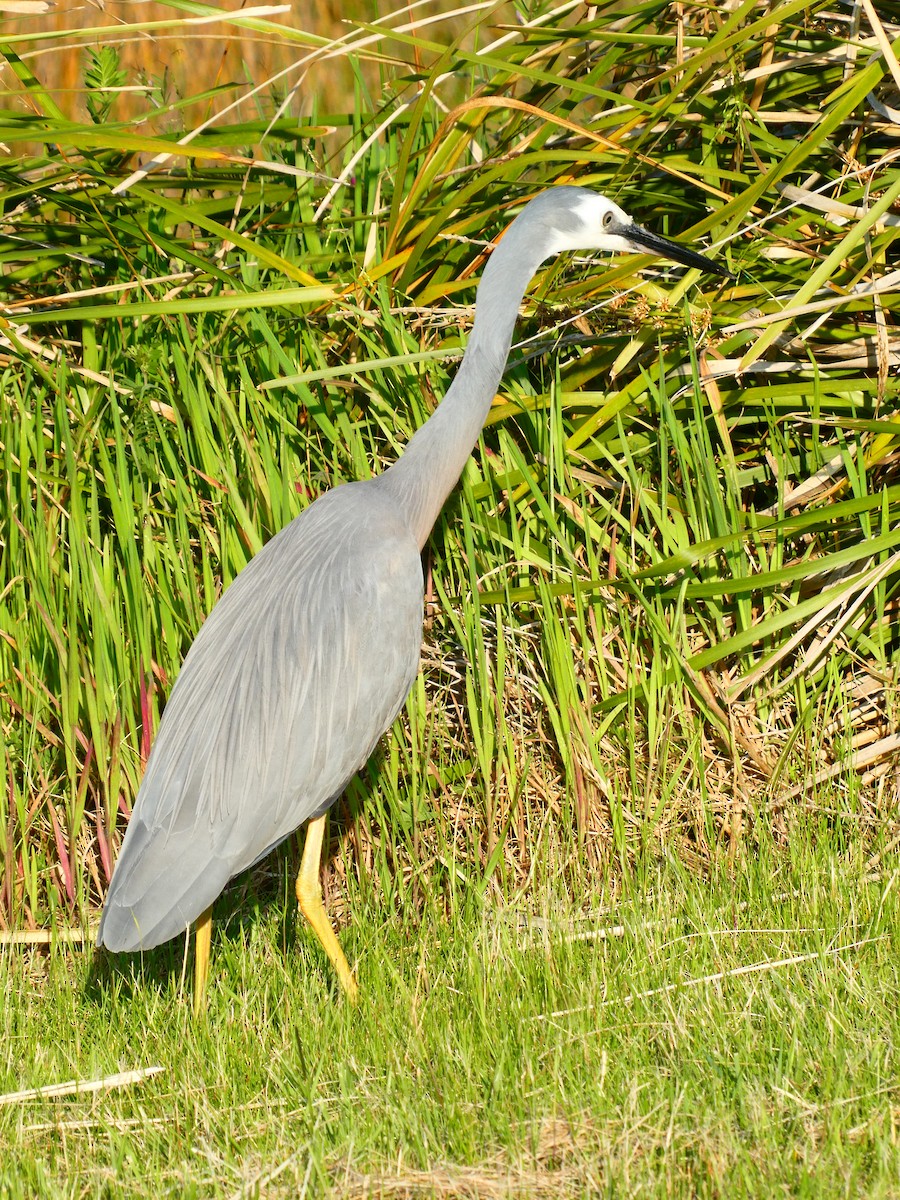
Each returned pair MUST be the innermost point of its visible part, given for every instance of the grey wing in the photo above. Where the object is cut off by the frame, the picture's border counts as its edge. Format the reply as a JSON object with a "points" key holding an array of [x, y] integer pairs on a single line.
{"points": [[298, 671]]}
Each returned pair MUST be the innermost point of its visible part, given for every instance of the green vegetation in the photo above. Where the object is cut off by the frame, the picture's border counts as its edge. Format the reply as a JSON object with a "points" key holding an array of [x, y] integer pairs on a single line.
{"points": [[495, 1052], [658, 684]]}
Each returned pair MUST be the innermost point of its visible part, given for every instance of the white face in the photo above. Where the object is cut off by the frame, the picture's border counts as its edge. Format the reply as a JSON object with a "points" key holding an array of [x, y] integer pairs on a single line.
{"points": [[602, 225], [576, 218]]}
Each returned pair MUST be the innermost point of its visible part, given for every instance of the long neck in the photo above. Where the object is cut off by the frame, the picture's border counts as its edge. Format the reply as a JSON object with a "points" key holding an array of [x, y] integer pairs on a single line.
{"points": [[432, 462]]}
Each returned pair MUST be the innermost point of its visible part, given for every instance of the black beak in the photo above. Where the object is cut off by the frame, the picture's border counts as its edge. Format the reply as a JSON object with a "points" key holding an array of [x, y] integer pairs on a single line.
{"points": [[642, 239]]}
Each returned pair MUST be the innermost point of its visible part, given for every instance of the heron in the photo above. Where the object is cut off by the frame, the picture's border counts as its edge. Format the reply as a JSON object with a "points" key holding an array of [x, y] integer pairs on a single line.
{"points": [[308, 657]]}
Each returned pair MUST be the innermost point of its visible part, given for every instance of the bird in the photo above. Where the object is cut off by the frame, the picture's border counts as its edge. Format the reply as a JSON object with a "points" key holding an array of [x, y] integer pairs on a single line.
{"points": [[308, 656]]}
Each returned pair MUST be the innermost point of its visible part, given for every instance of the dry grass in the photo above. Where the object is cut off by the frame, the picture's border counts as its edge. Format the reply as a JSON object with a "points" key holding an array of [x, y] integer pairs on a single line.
{"points": [[193, 58]]}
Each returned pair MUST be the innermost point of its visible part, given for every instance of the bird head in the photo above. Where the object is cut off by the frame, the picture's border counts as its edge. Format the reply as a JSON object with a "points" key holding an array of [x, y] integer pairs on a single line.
{"points": [[585, 220]]}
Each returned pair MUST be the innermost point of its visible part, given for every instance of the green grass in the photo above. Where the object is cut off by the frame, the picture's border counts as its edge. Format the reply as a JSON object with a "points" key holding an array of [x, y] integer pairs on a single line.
{"points": [[671, 1036], [659, 683]]}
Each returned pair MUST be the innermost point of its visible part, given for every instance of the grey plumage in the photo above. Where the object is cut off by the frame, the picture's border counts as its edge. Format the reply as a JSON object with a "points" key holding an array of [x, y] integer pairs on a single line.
{"points": [[309, 655], [281, 699]]}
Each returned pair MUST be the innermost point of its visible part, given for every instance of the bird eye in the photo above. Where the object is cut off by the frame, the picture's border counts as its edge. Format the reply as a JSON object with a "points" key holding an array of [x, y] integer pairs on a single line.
{"points": [[607, 219]]}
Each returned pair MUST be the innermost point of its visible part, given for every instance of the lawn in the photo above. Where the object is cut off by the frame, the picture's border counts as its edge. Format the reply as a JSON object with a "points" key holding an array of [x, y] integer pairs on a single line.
{"points": [[728, 1035]]}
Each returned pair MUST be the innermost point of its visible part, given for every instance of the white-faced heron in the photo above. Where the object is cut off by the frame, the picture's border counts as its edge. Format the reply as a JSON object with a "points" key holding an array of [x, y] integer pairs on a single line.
{"points": [[309, 655]]}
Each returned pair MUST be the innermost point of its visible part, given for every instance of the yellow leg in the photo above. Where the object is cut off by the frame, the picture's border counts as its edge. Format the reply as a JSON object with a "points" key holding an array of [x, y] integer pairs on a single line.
{"points": [[201, 959], [309, 897]]}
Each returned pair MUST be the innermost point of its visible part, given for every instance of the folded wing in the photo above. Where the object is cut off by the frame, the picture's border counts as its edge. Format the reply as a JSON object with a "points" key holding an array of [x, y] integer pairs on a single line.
{"points": [[298, 671]]}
